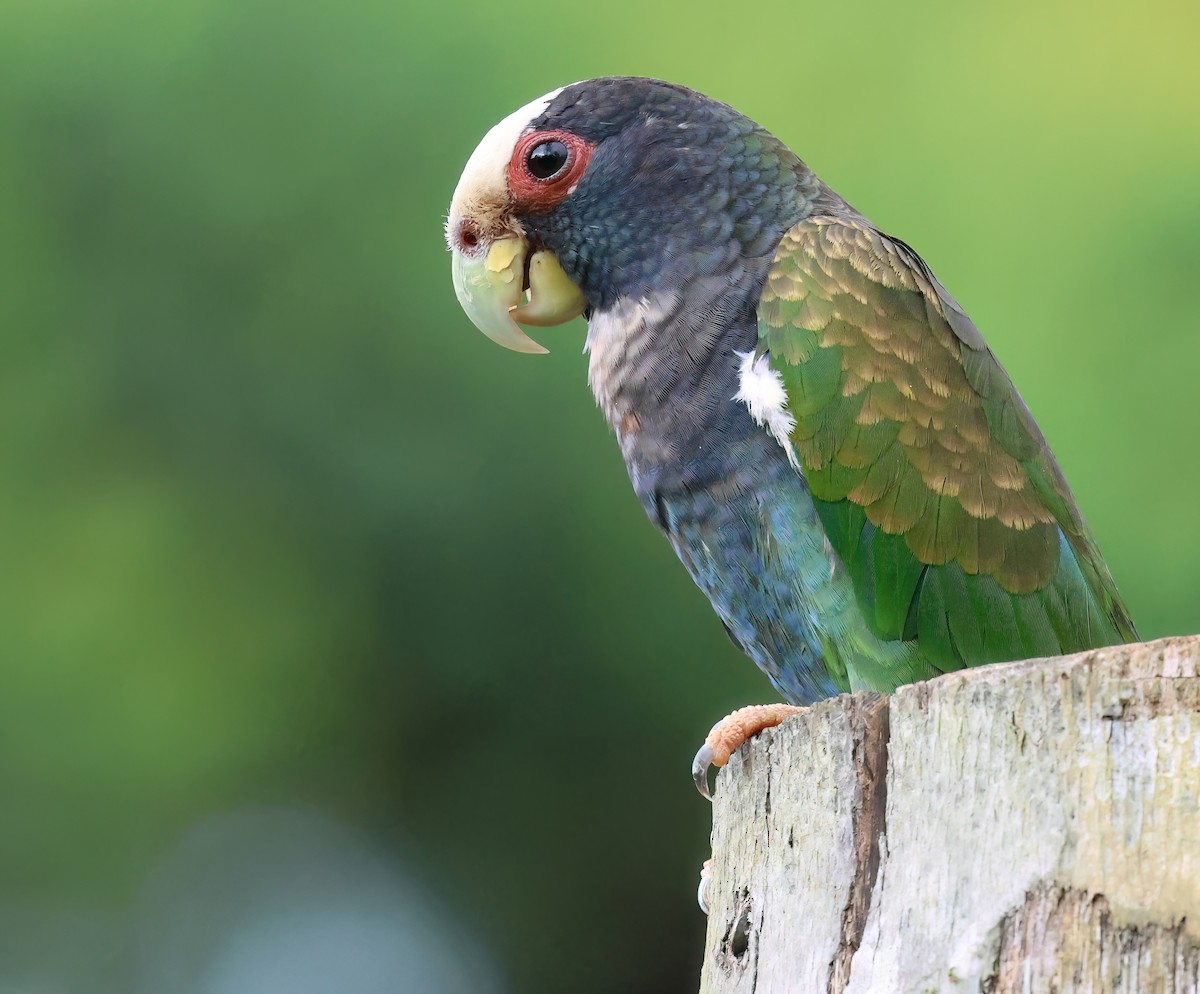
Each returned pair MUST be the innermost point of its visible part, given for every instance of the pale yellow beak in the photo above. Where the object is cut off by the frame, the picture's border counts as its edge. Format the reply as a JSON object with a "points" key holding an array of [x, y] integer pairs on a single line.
{"points": [[491, 289]]}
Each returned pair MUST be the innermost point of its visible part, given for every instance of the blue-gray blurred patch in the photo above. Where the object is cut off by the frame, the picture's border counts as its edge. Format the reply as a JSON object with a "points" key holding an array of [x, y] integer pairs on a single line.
{"points": [[290, 902]]}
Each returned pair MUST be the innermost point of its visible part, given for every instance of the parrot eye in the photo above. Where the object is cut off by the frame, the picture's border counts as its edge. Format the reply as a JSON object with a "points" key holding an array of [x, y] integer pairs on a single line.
{"points": [[547, 159], [545, 167]]}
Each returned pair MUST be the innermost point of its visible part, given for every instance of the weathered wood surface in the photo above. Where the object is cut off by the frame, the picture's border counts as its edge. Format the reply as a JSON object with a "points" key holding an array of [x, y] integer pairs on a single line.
{"points": [[1030, 827]]}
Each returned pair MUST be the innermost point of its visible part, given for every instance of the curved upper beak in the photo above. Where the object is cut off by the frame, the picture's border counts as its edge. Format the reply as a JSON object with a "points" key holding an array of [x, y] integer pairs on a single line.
{"points": [[491, 286]]}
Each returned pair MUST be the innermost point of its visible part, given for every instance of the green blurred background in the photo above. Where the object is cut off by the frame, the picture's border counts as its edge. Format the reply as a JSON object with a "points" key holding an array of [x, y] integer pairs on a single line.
{"points": [[336, 652]]}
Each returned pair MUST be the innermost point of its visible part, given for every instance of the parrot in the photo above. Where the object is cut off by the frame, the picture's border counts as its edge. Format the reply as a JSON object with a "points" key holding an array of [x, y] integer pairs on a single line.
{"points": [[834, 453]]}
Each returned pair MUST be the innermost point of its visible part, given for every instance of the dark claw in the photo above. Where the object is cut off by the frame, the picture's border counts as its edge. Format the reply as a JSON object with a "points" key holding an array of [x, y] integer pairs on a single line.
{"points": [[700, 765]]}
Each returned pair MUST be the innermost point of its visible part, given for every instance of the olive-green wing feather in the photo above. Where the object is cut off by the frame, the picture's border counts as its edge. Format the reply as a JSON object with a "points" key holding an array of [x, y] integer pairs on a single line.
{"points": [[933, 482]]}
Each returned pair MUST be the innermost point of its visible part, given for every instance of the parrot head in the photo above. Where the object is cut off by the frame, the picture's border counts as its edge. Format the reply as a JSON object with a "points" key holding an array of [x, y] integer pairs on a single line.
{"points": [[610, 189]]}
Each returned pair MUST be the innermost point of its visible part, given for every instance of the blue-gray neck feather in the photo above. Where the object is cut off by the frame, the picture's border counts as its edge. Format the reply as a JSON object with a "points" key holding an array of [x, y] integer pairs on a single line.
{"points": [[664, 372], [670, 235], [679, 186]]}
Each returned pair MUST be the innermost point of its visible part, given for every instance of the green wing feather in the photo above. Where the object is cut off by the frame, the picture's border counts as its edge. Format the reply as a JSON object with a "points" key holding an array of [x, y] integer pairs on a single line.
{"points": [[933, 482]]}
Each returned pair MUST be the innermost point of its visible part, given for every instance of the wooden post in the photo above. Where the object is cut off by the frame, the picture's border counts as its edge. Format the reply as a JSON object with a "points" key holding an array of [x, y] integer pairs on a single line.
{"points": [[1028, 827]]}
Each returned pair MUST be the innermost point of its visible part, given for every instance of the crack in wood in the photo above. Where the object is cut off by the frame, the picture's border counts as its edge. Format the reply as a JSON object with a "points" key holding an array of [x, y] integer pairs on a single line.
{"points": [[870, 731]]}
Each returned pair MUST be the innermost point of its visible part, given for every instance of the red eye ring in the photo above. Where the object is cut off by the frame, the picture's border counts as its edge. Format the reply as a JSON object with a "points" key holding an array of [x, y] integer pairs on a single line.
{"points": [[532, 193]]}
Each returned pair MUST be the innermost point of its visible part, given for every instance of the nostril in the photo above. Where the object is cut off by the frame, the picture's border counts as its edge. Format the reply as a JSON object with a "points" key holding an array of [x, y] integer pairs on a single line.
{"points": [[468, 235]]}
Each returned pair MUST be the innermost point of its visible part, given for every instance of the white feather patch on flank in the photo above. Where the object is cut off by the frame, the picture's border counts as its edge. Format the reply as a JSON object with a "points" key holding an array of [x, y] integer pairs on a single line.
{"points": [[761, 389]]}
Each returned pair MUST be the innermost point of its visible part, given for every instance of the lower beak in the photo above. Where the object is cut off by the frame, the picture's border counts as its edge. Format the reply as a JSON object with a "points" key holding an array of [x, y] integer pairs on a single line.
{"points": [[491, 289]]}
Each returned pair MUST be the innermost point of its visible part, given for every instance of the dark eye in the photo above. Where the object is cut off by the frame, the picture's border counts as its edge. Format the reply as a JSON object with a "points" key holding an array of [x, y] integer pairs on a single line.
{"points": [[547, 159]]}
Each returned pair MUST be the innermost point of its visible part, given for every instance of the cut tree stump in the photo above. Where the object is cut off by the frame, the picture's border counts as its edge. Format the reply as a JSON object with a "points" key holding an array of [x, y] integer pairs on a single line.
{"points": [[1029, 827]]}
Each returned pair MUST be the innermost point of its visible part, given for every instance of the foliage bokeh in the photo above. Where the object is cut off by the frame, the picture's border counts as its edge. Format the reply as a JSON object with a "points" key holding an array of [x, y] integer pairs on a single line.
{"points": [[297, 565]]}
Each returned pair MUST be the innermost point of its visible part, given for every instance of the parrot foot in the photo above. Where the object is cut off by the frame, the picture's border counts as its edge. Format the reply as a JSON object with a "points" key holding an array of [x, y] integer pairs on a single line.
{"points": [[732, 731]]}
